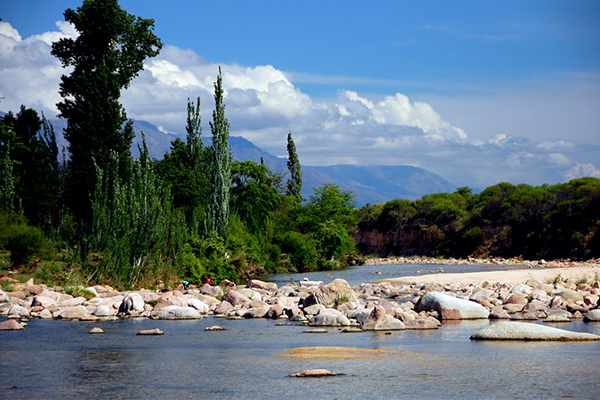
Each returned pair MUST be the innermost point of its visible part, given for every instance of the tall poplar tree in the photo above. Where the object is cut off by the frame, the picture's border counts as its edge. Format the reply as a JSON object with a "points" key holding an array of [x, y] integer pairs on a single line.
{"points": [[108, 53], [294, 184], [218, 212]]}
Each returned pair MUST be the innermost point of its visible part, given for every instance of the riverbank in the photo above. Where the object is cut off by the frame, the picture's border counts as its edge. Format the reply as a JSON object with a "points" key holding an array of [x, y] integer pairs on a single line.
{"points": [[561, 263]]}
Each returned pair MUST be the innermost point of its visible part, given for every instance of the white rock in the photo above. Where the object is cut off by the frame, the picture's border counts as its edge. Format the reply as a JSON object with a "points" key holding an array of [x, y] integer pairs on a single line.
{"points": [[448, 306], [175, 312], [506, 330], [199, 305]]}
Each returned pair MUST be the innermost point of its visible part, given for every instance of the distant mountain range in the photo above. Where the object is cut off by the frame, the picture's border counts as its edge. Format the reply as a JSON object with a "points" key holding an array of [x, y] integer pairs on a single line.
{"points": [[370, 183]]}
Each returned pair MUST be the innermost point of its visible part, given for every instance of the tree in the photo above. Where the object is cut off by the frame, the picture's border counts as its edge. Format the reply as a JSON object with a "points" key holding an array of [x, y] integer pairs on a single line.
{"points": [[294, 184], [34, 163], [218, 211], [108, 53]]}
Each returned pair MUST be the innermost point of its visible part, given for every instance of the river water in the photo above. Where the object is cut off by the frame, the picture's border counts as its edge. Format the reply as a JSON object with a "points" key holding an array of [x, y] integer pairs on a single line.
{"points": [[61, 360]]}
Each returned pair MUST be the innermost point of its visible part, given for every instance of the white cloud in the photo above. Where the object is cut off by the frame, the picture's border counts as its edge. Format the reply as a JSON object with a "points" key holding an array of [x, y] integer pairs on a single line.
{"points": [[581, 170], [263, 104]]}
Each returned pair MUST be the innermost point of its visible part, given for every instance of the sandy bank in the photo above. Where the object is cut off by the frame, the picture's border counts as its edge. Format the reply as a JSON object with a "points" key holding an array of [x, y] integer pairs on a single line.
{"points": [[512, 276]]}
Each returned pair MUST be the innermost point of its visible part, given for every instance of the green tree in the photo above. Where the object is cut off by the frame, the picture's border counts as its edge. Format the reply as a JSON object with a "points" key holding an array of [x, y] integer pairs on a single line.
{"points": [[294, 184], [218, 211], [253, 198], [108, 53], [35, 168]]}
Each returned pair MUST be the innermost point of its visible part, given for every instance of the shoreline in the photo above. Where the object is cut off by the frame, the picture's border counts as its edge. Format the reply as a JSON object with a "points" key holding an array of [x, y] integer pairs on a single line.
{"points": [[560, 263]]}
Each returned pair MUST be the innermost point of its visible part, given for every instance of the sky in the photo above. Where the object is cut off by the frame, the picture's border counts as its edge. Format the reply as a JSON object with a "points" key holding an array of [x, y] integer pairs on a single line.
{"points": [[477, 92]]}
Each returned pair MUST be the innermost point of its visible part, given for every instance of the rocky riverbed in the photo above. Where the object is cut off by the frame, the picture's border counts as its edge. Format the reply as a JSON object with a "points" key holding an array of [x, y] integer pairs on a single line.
{"points": [[369, 306]]}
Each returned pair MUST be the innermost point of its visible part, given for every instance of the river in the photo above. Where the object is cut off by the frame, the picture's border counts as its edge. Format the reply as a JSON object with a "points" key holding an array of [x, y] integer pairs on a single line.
{"points": [[61, 360]]}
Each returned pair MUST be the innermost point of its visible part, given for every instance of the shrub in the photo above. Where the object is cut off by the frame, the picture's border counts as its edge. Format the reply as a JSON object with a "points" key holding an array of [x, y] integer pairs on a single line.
{"points": [[23, 242]]}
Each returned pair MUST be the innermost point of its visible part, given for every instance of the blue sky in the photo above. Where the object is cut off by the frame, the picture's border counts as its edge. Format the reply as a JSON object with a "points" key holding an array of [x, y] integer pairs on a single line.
{"points": [[478, 92]]}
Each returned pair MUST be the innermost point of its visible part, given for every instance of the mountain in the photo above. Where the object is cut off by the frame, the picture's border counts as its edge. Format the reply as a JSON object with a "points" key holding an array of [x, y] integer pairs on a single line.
{"points": [[370, 183]]}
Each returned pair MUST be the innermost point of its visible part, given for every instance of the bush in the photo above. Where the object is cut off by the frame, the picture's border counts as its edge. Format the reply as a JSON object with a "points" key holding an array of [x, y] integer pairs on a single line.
{"points": [[23, 242]]}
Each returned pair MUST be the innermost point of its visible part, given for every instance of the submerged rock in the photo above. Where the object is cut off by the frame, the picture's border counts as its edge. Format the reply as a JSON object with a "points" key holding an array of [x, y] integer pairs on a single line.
{"points": [[526, 331], [313, 373], [150, 332]]}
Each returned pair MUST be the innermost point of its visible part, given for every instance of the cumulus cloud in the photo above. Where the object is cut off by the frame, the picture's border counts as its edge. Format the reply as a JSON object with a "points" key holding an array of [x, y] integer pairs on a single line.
{"points": [[263, 104]]}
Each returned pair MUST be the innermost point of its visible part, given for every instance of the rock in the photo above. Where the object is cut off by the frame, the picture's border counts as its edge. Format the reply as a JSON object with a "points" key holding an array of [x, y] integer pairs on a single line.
{"points": [[318, 330], [311, 284], [481, 295], [592, 316], [96, 330], [499, 313], [337, 291], [45, 314], [11, 325], [329, 319], [275, 311], [525, 331], [223, 308], [423, 323], [568, 294], [3, 296], [150, 332], [88, 318], [175, 312], [258, 312], [378, 320], [557, 318], [256, 284], [18, 311], [314, 309], [33, 289], [198, 305], [517, 298], [293, 311], [591, 300], [513, 308], [451, 307], [71, 313], [77, 301], [236, 299], [313, 373], [211, 290], [214, 328], [103, 311], [132, 302], [351, 330]]}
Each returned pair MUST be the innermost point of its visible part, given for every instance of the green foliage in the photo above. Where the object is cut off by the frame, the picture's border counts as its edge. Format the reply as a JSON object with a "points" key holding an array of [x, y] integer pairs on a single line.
{"points": [[301, 250], [23, 242], [220, 172], [253, 198], [108, 53], [294, 183], [130, 220], [503, 220]]}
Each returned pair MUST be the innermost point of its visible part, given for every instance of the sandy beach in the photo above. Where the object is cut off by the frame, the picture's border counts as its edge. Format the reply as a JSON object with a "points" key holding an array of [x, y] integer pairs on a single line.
{"points": [[591, 273]]}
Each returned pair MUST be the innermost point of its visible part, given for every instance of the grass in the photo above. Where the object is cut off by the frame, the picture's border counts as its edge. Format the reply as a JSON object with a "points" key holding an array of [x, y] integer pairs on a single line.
{"points": [[557, 279]]}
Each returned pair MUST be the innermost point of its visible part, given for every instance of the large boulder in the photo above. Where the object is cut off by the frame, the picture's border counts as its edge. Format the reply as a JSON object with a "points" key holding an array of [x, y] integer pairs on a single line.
{"points": [[103, 311], [11, 325], [72, 313], [423, 323], [450, 307], [223, 308], [235, 298], [379, 320], [258, 312], [198, 305], [568, 294], [19, 311], [211, 290], [257, 284], [328, 318], [77, 301], [592, 316], [175, 312], [506, 330], [337, 291], [132, 302]]}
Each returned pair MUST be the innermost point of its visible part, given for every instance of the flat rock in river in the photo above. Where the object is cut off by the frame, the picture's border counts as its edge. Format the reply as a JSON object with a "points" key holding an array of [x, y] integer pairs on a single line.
{"points": [[506, 330]]}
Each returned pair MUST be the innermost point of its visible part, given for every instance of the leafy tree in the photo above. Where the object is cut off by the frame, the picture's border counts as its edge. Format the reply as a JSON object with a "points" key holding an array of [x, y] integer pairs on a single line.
{"points": [[294, 184], [108, 53], [218, 211], [35, 169], [185, 170], [253, 198]]}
